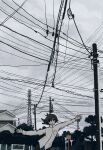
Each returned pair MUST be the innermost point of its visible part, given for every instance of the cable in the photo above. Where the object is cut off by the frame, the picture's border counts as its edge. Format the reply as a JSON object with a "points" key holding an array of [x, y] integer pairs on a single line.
{"points": [[57, 48], [22, 14], [17, 49], [49, 47], [19, 98], [70, 13], [48, 38], [24, 46], [41, 21], [53, 16], [12, 13], [47, 31], [66, 41], [52, 52], [77, 67], [65, 109], [28, 44], [26, 37], [27, 59], [17, 66]]}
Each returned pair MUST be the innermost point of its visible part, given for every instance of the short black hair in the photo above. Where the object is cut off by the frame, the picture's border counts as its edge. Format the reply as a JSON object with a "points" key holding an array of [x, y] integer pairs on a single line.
{"points": [[50, 117]]}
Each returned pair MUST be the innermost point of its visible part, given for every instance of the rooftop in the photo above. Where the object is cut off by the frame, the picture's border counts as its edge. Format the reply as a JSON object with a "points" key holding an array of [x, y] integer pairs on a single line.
{"points": [[2, 111]]}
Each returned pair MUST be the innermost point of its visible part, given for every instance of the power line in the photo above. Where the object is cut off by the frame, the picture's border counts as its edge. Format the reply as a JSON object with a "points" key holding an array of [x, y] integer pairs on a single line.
{"points": [[57, 46], [12, 13], [47, 38], [17, 49], [23, 15], [72, 15], [52, 52], [37, 19]]}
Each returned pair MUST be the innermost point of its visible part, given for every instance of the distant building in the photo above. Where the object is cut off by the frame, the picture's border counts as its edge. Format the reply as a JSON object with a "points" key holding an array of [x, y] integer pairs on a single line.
{"points": [[7, 121]]}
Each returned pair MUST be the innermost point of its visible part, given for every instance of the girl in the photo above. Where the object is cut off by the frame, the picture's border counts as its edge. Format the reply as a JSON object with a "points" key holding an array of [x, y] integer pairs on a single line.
{"points": [[50, 133]]}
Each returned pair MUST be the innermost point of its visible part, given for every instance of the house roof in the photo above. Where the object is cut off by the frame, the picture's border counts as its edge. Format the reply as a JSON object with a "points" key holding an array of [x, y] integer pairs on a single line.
{"points": [[2, 111], [1, 125], [8, 112], [9, 125]]}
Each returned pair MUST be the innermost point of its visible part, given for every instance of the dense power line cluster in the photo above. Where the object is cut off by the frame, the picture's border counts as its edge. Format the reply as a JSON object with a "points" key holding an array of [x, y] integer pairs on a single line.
{"points": [[39, 52]]}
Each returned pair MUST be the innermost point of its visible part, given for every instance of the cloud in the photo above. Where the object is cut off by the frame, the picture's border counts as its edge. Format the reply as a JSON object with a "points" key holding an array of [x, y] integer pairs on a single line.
{"points": [[87, 17]]}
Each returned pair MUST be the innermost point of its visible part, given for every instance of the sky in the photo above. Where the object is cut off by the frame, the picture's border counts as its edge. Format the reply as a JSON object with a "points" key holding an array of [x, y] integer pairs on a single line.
{"points": [[25, 50]]}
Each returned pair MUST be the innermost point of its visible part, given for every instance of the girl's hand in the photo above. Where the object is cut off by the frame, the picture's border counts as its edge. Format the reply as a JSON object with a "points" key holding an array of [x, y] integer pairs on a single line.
{"points": [[19, 131]]}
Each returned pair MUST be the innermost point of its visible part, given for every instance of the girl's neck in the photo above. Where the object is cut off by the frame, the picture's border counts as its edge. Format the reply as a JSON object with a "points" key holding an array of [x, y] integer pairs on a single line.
{"points": [[51, 125]]}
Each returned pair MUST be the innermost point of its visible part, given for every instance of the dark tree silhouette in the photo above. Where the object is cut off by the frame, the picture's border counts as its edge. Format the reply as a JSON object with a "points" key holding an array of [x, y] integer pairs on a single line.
{"points": [[91, 120], [90, 130], [25, 127], [78, 140], [5, 136], [65, 133], [78, 135]]}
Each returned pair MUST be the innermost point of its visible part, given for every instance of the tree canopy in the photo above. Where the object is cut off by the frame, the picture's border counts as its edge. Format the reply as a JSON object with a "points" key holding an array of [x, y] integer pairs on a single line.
{"points": [[90, 131]]}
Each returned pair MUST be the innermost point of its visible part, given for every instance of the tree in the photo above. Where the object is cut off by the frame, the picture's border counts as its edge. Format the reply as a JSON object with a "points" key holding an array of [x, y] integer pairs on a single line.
{"points": [[78, 136], [65, 133], [78, 140], [5, 136], [89, 131], [91, 120], [25, 127]]}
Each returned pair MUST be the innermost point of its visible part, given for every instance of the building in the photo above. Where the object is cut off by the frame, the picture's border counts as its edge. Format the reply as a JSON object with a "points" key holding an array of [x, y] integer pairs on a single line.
{"points": [[7, 121]]}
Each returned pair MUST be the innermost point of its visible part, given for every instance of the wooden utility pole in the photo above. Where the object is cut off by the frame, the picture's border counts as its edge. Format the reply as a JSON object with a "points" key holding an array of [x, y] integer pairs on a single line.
{"points": [[78, 121], [50, 105], [35, 106], [96, 95]]}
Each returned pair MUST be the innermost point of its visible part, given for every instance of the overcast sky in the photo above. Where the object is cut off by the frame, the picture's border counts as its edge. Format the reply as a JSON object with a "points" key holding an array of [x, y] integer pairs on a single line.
{"points": [[21, 32]]}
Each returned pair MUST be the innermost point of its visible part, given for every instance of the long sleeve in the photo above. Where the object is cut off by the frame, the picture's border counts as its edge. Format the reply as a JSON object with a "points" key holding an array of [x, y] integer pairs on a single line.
{"points": [[65, 123], [29, 132]]}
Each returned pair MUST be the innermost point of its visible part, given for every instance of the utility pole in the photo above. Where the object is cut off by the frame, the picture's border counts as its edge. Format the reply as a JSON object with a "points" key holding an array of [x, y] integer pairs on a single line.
{"points": [[35, 106], [18, 121], [96, 95], [50, 105], [29, 118], [78, 121], [77, 125]]}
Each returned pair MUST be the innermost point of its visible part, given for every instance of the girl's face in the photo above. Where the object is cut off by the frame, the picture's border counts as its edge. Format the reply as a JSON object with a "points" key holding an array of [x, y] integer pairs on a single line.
{"points": [[52, 122]]}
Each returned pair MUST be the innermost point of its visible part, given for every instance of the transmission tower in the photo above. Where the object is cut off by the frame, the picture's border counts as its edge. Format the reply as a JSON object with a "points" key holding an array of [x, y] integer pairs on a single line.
{"points": [[29, 118]]}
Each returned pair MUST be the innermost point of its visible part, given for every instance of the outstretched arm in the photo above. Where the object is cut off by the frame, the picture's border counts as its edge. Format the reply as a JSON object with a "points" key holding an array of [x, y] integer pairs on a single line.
{"points": [[66, 123], [39, 132]]}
